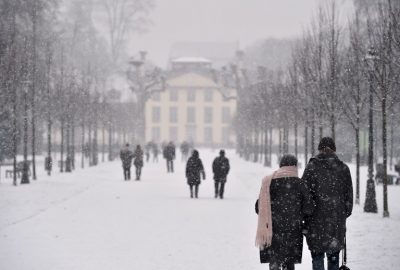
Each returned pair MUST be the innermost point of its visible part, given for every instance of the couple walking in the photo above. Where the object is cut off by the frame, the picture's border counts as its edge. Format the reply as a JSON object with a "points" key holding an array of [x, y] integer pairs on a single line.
{"points": [[317, 205], [127, 156], [195, 169]]}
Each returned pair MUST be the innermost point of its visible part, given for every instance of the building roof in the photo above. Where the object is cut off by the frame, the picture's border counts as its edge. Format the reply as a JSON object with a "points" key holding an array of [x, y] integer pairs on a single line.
{"points": [[191, 60], [219, 53]]}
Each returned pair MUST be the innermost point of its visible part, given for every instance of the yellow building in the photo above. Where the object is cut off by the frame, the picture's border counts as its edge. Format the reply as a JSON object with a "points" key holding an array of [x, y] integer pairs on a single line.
{"points": [[192, 108]]}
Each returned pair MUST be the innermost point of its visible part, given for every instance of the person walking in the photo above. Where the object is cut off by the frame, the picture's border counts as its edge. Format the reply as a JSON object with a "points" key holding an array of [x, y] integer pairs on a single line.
{"points": [[169, 155], [126, 156], [138, 155], [156, 151], [194, 169], [330, 184], [220, 169], [283, 202], [184, 150]]}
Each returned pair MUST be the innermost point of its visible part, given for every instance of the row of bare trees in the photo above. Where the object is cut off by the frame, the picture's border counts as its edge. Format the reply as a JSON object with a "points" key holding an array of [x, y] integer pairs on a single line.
{"points": [[325, 89], [54, 66]]}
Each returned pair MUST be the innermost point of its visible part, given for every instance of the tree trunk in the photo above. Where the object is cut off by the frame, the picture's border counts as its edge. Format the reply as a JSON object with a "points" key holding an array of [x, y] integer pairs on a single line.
{"points": [[267, 162], [384, 152], [103, 148], [295, 139], [313, 133], [333, 126], [83, 144], [357, 201], [33, 84], [73, 143], [62, 146]]}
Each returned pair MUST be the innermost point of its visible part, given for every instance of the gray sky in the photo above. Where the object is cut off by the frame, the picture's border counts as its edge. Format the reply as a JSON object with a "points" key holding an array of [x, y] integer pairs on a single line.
{"points": [[245, 21]]}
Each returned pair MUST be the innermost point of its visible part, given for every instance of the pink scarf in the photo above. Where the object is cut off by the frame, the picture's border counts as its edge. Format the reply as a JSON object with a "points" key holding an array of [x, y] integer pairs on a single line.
{"points": [[264, 228]]}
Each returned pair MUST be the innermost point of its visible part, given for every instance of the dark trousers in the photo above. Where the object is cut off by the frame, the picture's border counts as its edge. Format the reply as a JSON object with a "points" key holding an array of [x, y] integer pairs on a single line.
{"points": [[138, 172], [196, 191], [318, 261], [127, 173], [219, 189], [278, 266], [170, 165]]}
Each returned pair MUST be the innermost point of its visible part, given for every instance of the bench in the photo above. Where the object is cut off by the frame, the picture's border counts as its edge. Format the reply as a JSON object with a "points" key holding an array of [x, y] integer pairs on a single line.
{"points": [[18, 169]]}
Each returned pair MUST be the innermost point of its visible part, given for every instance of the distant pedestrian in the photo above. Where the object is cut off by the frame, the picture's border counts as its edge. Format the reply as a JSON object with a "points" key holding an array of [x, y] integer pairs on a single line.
{"points": [[147, 150], [184, 151], [169, 155], [126, 156], [138, 155], [156, 152], [194, 169], [221, 169], [283, 202], [330, 184]]}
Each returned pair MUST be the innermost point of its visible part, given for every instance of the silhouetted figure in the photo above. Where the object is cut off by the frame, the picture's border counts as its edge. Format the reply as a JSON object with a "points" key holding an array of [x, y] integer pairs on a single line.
{"points": [[194, 168], [330, 184], [138, 155], [184, 150], [221, 169], [126, 156], [283, 202], [156, 152], [169, 155], [148, 147]]}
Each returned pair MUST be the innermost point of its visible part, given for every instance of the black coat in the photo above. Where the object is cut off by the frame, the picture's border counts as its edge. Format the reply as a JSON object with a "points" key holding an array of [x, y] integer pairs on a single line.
{"points": [[330, 184], [290, 203], [194, 167], [169, 152], [126, 157], [220, 168], [138, 155]]}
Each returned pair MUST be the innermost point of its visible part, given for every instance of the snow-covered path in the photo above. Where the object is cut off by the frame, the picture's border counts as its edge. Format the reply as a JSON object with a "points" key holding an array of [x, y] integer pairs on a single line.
{"points": [[92, 219]]}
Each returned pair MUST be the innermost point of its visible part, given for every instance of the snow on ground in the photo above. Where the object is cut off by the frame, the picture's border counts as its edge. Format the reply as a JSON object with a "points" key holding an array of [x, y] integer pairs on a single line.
{"points": [[92, 219]]}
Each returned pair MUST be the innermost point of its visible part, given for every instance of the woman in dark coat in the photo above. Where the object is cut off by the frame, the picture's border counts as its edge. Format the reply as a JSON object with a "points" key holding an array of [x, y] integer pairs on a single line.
{"points": [[284, 201], [194, 167], [138, 162], [330, 185]]}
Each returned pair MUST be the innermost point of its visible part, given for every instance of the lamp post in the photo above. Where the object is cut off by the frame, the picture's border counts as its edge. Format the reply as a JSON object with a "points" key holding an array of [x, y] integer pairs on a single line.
{"points": [[146, 80], [25, 168], [370, 205], [138, 63]]}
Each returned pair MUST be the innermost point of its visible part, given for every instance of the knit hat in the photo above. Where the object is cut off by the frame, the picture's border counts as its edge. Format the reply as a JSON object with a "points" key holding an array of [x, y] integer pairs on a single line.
{"points": [[288, 160], [327, 142]]}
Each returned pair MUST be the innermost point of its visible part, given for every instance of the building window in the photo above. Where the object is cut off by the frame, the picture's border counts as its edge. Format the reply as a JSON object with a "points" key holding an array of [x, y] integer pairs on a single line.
{"points": [[191, 133], [191, 115], [191, 95], [226, 115], [208, 95], [155, 134], [173, 134], [173, 115], [155, 96], [208, 136], [173, 95], [208, 115], [156, 115]]}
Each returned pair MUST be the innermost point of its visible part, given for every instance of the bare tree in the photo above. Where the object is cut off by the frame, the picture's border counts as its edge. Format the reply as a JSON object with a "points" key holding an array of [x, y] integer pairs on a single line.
{"points": [[122, 17]]}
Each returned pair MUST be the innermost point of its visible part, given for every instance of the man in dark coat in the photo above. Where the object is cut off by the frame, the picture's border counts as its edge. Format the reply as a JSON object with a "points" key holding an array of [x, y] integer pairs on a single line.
{"points": [[138, 155], [290, 202], [169, 155], [330, 184], [194, 168], [126, 156], [221, 169]]}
